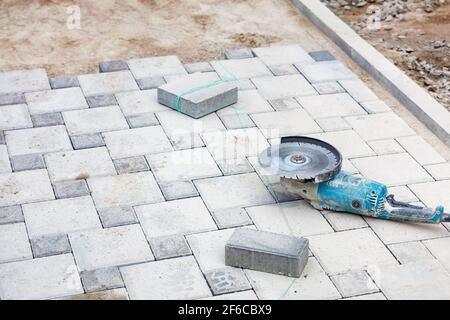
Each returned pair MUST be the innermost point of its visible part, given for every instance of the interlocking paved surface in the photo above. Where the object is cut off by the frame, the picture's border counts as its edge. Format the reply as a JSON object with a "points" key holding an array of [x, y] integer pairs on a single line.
{"points": [[104, 193]]}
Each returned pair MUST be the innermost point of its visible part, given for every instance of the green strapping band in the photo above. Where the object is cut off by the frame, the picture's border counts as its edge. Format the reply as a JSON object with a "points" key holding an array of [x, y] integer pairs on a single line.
{"points": [[208, 85]]}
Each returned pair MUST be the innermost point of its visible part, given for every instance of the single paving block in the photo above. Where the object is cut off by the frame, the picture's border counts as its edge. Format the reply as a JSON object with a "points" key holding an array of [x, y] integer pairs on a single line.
{"points": [[42, 278], [101, 248], [14, 116], [375, 106], [358, 90], [341, 221], [138, 102], [170, 279], [57, 100], [129, 165], [333, 124], [70, 189], [439, 171], [387, 146], [169, 247], [420, 150], [331, 105], [47, 119], [150, 82], [198, 94], [354, 283], [239, 53], [325, 71], [328, 87], [178, 190], [64, 82], [283, 69], [117, 216], [322, 55], [433, 194], [284, 104], [156, 66], [12, 98], [231, 218], [198, 67], [101, 279], [227, 280], [287, 54], [112, 65], [239, 69], [86, 141], [142, 120], [23, 81], [47, 218], [101, 100], [11, 214], [25, 186], [27, 162], [283, 86], [14, 243], [267, 252], [407, 252], [5, 165], [44, 246], [107, 83]]}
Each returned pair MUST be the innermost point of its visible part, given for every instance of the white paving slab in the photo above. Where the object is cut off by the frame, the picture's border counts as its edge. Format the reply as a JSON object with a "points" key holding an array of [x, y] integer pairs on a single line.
{"points": [[325, 71], [249, 101], [60, 216], [23, 187], [295, 218], [175, 217], [137, 142], [138, 102], [283, 86], [240, 68], [5, 165], [156, 67], [330, 105], [407, 252], [37, 140], [440, 171], [183, 165], [333, 124], [243, 190], [94, 249], [426, 279], [107, 83], [439, 249], [420, 150], [358, 90], [277, 55], [433, 194], [79, 164], [178, 278], [15, 117], [392, 170], [125, 190], [94, 120], [380, 126], [14, 243], [349, 250], [23, 81], [341, 221], [354, 283], [57, 100], [285, 123], [387, 146], [313, 284], [42, 278]]}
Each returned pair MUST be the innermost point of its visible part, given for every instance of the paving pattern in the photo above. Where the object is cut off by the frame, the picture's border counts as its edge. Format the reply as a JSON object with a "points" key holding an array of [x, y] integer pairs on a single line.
{"points": [[104, 193]]}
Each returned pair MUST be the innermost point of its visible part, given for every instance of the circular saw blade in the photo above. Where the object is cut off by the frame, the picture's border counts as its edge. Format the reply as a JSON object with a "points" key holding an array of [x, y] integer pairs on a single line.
{"points": [[302, 158]]}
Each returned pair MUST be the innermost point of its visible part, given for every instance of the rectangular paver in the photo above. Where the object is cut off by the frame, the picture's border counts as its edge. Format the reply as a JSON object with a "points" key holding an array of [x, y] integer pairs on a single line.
{"points": [[107, 83], [283, 86], [240, 68], [156, 66], [325, 71], [138, 102], [14, 243], [56, 100], [5, 165], [23, 81], [288, 54], [331, 105], [14, 117]]}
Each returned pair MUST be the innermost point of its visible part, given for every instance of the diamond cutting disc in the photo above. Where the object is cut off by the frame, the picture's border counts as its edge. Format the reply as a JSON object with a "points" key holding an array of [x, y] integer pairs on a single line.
{"points": [[302, 158]]}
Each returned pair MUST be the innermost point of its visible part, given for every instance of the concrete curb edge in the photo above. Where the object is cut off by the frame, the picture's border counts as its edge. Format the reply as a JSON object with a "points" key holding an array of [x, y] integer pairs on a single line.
{"points": [[410, 94]]}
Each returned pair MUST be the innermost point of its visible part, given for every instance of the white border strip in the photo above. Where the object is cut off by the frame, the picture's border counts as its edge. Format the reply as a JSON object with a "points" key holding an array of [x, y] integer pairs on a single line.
{"points": [[410, 94]]}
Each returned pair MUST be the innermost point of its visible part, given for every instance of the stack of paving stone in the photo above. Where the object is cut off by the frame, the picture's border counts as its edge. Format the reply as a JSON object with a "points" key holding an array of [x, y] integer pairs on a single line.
{"points": [[106, 193]]}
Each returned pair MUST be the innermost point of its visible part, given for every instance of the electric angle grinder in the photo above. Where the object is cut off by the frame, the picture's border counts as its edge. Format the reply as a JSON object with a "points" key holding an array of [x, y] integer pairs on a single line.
{"points": [[312, 168]]}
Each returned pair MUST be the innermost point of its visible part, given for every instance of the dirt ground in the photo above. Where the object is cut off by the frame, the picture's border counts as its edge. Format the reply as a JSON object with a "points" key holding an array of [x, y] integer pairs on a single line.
{"points": [[416, 42], [36, 33]]}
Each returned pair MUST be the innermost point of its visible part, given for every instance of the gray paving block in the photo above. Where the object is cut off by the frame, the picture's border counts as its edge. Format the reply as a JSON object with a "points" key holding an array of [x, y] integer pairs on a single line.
{"points": [[2, 138], [198, 67], [45, 246], [169, 247], [283, 69], [142, 120], [11, 214], [198, 94], [85, 141], [117, 216], [101, 100], [322, 55], [27, 162], [231, 217], [227, 280], [284, 104], [133, 164], [178, 190], [12, 98], [112, 65], [70, 189], [101, 279], [267, 252], [47, 119], [240, 53], [150, 82], [64, 82]]}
